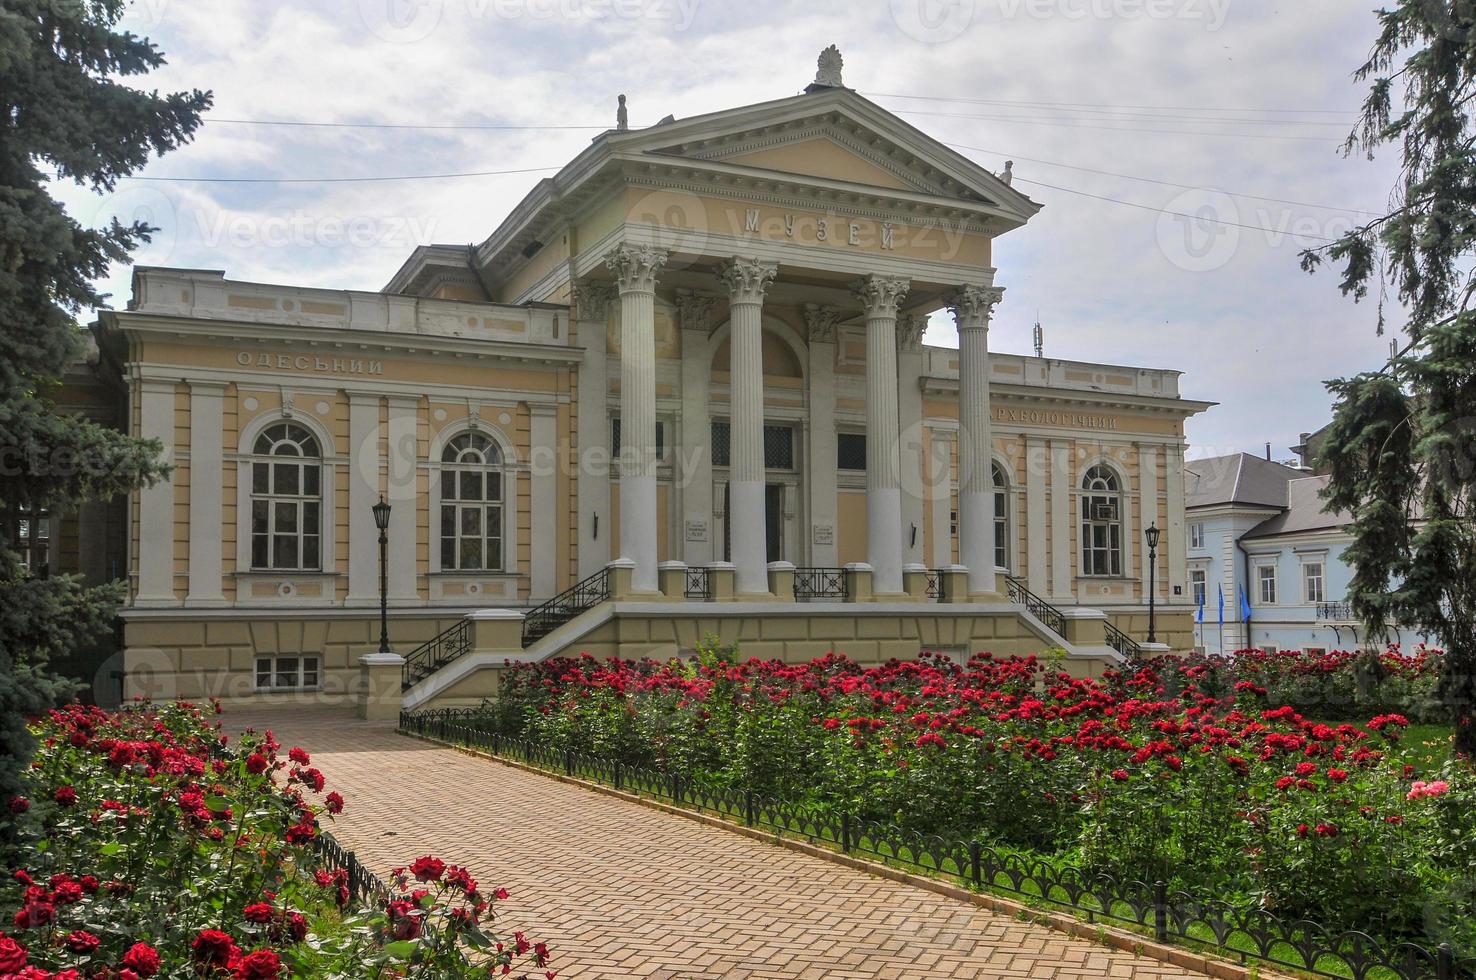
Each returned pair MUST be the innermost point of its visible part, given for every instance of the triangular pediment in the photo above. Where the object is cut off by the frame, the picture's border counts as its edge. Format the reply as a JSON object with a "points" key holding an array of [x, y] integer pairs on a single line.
{"points": [[835, 136]]}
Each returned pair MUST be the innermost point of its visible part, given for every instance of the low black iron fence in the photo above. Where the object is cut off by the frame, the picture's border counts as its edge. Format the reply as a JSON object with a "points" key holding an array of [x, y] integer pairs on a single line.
{"points": [[820, 583], [1169, 915], [365, 887]]}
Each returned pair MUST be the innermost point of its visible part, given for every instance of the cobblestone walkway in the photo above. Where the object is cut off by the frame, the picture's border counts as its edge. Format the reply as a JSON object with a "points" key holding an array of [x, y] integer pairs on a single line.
{"points": [[618, 890]]}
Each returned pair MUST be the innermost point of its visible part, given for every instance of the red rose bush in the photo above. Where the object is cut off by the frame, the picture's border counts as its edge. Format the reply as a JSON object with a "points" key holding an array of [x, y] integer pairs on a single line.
{"points": [[147, 847], [1171, 771]]}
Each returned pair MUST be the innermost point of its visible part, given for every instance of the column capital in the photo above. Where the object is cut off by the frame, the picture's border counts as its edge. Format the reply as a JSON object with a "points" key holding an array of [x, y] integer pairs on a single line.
{"points": [[910, 327], [880, 295], [635, 267], [694, 310], [972, 306], [747, 279], [592, 299], [821, 321]]}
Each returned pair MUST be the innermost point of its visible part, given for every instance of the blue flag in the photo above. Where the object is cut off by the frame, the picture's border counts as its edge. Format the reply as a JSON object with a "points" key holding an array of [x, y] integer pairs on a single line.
{"points": [[1199, 613], [1245, 606], [1221, 589]]}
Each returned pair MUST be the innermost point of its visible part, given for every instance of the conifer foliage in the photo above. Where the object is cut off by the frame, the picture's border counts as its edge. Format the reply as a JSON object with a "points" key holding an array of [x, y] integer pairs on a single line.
{"points": [[67, 113], [1401, 450]]}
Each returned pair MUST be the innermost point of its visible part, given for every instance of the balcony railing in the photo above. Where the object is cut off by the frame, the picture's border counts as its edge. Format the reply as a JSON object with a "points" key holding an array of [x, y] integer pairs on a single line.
{"points": [[812, 584], [1337, 611]]}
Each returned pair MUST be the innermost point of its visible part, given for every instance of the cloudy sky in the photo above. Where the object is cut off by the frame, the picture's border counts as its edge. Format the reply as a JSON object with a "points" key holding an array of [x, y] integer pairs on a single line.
{"points": [[1231, 110]]}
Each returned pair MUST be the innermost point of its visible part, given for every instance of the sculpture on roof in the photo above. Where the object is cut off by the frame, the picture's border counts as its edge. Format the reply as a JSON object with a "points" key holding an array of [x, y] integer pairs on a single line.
{"points": [[622, 121], [828, 65]]}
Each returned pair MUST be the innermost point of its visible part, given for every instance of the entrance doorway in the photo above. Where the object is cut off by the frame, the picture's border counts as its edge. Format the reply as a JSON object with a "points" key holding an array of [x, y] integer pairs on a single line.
{"points": [[773, 522]]}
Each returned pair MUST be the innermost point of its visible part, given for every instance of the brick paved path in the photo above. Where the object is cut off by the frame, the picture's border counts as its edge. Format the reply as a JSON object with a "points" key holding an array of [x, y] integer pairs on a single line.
{"points": [[619, 890]]}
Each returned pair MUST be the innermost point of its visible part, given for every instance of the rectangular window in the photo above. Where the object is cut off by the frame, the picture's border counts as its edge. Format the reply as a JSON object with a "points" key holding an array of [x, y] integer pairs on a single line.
{"points": [[1196, 535], [1266, 584], [287, 673], [778, 447], [1312, 582], [615, 438], [850, 451], [722, 441], [1198, 583]]}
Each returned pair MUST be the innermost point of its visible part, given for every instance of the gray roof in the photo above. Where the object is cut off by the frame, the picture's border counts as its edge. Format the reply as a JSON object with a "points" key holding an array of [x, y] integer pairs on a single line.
{"points": [[1239, 478], [1304, 511]]}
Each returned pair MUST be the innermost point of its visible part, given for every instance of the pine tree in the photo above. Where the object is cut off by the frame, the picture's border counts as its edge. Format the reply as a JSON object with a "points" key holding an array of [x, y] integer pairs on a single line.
{"points": [[68, 115], [1401, 451]]}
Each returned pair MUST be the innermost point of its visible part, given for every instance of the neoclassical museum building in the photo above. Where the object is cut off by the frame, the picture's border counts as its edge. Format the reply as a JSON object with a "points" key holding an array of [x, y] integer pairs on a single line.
{"points": [[680, 392]]}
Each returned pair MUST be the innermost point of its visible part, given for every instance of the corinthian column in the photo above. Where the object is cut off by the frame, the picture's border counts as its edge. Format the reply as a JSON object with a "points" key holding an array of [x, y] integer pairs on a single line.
{"points": [[880, 296], [747, 279], [635, 268], [972, 306]]}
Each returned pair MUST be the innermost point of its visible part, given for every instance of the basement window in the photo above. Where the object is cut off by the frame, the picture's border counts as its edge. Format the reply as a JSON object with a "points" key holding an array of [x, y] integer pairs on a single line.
{"points": [[286, 673]]}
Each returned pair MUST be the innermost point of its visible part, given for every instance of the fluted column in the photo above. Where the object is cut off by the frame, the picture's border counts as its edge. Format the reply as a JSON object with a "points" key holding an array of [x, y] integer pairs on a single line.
{"points": [[747, 279], [972, 306], [880, 295], [635, 268]]}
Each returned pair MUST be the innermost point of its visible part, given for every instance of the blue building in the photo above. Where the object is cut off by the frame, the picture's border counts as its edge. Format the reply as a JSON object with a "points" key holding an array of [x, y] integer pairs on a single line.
{"points": [[1257, 534]]}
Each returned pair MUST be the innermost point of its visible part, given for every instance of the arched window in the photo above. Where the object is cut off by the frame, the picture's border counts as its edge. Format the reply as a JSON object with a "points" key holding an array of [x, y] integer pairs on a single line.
{"points": [[1001, 517], [286, 499], [471, 505], [1101, 522]]}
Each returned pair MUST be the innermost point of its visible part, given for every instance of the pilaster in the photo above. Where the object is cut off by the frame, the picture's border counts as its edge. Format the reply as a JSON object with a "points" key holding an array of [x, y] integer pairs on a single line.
{"points": [[694, 313], [207, 472], [592, 302], [544, 439], [363, 491], [156, 503], [820, 459], [401, 490]]}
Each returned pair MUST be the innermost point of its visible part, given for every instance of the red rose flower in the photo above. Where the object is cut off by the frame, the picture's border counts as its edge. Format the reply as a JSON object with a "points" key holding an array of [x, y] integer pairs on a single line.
{"points": [[82, 942], [19, 805], [65, 796], [428, 868], [13, 955], [143, 959], [298, 756], [262, 964], [214, 948], [259, 912], [256, 763], [335, 803]]}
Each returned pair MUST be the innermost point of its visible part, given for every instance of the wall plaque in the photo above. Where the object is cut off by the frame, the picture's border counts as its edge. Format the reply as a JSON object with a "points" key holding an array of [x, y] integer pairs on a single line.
{"points": [[823, 534], [696, 531]]}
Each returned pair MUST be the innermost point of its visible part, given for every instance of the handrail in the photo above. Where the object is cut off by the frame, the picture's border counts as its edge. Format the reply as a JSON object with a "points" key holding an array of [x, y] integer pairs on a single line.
{"points": [[1122, 643], [584, 594], [450, 644], [1054, 619]]}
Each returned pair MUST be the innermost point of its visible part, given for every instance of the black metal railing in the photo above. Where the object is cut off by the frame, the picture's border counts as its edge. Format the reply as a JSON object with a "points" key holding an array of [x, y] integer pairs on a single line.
{"points": [[1339, 611], [1038, 607], [699, 584], [450, 644], [364, 886], [584, 594], [820, 583], [1176, 916], [1122, 643], [934, 586]]}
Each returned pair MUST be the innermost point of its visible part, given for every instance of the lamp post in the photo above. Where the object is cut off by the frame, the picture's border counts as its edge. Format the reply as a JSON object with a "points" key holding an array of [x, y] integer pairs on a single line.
{"points": [[381, 521], [1152, 534]]}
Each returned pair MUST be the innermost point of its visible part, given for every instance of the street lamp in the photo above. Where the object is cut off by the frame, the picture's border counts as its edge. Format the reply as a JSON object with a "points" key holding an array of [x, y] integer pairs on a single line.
{"points": [[1152, 534], [381, 521]]}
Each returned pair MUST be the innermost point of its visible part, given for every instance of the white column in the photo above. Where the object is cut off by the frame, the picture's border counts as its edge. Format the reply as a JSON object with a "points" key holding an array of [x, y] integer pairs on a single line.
{"points": [[879, 295], [592, 308], [363, 491], [820, 448], [747, 279], [694, 464], [207, 464], [543, 434], [156, 503], [1037, 464], [1063, 521], [403, 496], [972, 306], [635, 268], [911, 447]]}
